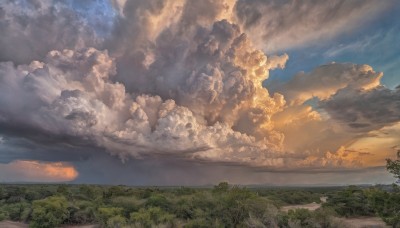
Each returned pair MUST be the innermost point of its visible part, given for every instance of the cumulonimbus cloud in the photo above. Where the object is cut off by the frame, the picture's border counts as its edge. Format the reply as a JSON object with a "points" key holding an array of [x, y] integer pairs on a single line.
{"points": [[172, 78]]}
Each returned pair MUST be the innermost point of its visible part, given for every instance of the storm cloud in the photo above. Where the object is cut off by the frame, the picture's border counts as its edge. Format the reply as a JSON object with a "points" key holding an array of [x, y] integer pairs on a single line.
{"points": [[182, 80], [365, 110]]}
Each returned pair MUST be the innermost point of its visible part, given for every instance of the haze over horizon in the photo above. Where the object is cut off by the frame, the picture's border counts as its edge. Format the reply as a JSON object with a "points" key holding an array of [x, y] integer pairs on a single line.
{"points": [[185, 92]]}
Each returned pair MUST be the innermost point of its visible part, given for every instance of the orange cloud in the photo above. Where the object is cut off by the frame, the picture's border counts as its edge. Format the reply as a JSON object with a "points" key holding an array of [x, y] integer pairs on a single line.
{"points": [[37, 171], [380, 144]]}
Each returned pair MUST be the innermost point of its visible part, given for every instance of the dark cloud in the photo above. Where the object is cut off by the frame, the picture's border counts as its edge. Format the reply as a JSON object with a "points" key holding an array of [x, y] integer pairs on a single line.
{"points": [[178, 172], [365, 110], [20, 148]]}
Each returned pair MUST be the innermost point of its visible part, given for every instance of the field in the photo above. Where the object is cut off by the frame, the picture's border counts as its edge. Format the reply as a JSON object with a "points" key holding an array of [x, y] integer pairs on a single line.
{"points": [[89, 206]]}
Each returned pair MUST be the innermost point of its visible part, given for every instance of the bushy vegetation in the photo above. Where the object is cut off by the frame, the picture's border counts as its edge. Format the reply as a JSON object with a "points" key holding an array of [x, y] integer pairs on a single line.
{"points": [[382, 201], [289, 196], [220, 206]]}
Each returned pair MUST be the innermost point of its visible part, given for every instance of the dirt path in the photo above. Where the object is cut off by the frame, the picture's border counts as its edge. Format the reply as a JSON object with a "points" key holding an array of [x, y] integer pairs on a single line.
{"points": [[11, 224], [81, 226], [311, 206], [364, 222]]}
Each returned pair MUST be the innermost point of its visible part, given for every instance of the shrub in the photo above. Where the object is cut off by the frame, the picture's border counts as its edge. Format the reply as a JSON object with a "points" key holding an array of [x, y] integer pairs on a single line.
{"points": [[3, 214], [105, 213], [49, 212], [117, 221], [151, 216]]}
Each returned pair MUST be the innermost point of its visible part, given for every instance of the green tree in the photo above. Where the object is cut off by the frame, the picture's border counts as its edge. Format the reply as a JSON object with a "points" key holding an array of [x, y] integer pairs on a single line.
{"points": [[49, 212], [43, 192], [129, 204], [82, 212], [151, 216], [17, 211], [158, 200], [89, 192], [392, 215], [301, 215], [221, 187], [117, 221], [15, 194], [32, 195], [2, 193], [349, 202], [233, 206], [198, 223], [393, 166], [263, 211], [323, 217], [106, 213], [3, 214], [64, 191], [184, 208]]}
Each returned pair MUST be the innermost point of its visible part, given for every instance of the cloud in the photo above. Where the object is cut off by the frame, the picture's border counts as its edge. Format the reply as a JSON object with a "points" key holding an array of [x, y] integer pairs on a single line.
{"points": [[34, 171], [281, 25], [30, 29], [325, 80], [172, 80], [338, 105], [340, 158], [365, 110], [71, 95]]}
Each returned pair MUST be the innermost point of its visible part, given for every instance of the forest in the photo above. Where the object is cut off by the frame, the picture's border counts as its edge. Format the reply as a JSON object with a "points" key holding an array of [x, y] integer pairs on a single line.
{"points": [[223, 205]]}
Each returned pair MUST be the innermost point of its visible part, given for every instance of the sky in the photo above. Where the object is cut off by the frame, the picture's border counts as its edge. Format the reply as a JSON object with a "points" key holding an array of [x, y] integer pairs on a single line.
{"points": [[185, 92]]}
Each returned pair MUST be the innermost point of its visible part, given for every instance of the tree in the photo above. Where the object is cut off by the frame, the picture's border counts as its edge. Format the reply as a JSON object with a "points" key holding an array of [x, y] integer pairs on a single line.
{"points": [[158, 200], [117, 221], [15, 194], [64, 191], [17, 211], [232, 208], [106, 213], [221, 187], [349, 202], [300, 215], [49, 212], [393, 166], [3, 214], [151, 216], [2, 193]]}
